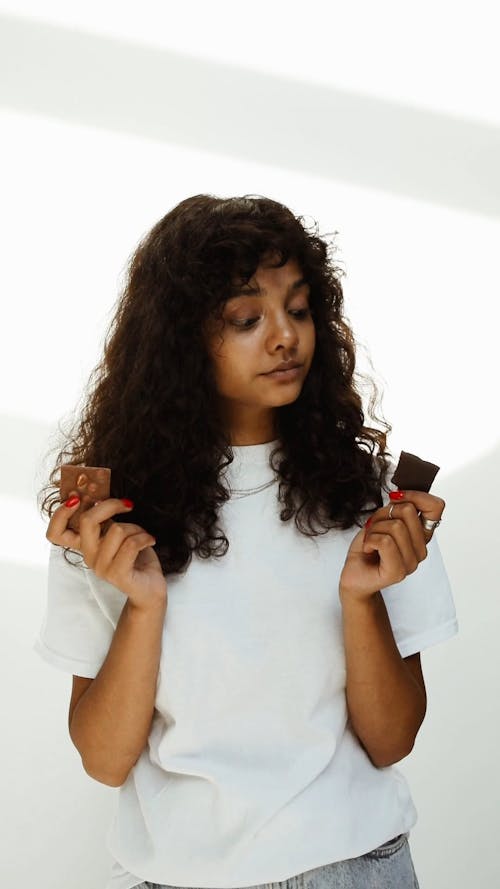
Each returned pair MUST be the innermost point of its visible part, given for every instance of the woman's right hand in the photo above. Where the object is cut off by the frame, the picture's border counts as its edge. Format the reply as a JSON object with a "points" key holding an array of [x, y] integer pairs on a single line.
{"points": [[124, 555]]}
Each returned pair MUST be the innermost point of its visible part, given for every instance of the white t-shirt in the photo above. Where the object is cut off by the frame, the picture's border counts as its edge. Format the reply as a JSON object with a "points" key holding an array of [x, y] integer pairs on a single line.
{"points": [[251, 773]]}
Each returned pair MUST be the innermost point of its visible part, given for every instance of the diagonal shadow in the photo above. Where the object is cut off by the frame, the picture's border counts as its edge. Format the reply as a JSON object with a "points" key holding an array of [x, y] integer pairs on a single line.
{"points": [[167, 96]]}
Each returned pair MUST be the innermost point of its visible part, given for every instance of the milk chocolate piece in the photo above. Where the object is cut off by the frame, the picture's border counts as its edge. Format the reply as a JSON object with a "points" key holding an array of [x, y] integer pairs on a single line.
{"points": [[91, 483], [414, 474]]}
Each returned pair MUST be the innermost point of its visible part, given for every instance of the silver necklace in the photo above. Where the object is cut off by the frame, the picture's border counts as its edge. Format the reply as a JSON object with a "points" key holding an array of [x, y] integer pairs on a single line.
{"points": [[244, 492]]}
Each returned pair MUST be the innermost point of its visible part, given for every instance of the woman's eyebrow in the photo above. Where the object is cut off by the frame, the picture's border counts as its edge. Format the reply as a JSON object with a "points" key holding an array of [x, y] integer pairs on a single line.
{"points": [[246, 290]]}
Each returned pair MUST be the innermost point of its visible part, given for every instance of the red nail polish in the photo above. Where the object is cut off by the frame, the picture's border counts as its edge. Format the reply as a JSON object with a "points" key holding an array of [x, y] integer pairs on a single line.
{"points": [[127, 502], [368, 522], [396, 495], [72, 501]]}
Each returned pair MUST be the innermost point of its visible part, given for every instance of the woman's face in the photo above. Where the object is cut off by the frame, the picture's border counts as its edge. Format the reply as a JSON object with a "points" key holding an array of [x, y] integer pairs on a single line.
{"points": [[260, 331]]}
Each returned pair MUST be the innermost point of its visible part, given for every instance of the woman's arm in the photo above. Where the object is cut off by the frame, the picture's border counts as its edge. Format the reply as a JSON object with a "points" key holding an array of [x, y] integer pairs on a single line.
{"points": [[111, 721], [385, 702]]}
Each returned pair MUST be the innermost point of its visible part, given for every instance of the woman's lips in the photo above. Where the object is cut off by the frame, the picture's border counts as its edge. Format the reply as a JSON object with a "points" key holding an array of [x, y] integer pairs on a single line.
{"points": [[285, 375]]}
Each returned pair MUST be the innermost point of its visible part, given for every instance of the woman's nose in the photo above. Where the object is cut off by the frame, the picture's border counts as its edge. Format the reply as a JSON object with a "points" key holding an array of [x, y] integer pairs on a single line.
{"points": [[287, 331]]}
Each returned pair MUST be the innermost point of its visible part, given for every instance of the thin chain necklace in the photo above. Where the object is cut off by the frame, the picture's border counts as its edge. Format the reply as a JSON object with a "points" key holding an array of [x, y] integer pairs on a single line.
{"points": [[244, 492]]}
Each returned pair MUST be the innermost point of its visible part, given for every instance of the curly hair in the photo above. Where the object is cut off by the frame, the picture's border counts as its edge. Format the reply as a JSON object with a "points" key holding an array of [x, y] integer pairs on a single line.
{"points": [[151, 410]]}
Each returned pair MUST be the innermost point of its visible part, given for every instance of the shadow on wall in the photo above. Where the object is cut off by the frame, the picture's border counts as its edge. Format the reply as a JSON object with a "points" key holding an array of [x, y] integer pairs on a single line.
{"points": [[154, 93]]}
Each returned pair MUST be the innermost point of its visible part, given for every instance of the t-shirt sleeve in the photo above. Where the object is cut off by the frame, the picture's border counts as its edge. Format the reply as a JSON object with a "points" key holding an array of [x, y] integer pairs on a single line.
{"points": [[421, 607], [75, 634]]}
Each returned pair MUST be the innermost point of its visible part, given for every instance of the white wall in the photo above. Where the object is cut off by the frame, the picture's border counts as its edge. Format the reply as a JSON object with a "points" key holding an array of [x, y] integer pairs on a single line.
{"points": [[381, 122]]}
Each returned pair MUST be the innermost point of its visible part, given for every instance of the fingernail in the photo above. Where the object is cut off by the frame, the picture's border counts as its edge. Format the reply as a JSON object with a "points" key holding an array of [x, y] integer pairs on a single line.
{"points": [[396, 495], [128, 503], [72, 501]]}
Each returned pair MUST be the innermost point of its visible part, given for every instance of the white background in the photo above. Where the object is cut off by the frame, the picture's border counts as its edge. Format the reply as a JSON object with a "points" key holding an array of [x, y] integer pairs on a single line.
{"points": [[381, 122]]}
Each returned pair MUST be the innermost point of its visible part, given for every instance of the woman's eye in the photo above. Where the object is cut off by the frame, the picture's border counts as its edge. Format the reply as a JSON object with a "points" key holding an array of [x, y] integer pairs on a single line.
{"points": [[249, 322]]}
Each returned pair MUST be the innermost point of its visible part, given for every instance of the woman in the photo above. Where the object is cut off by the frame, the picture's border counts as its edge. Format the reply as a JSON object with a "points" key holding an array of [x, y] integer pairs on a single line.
{"points": [[246, 680]]}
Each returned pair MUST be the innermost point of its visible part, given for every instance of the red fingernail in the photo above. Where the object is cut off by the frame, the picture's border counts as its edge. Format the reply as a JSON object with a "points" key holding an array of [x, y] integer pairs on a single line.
{"points": [[127, 502], [72, 501], [396, 495]]}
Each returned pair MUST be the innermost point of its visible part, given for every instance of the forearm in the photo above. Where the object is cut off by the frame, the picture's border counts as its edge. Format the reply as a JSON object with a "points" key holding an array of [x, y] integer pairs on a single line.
{"points": [[111, 722], [385, 704]]}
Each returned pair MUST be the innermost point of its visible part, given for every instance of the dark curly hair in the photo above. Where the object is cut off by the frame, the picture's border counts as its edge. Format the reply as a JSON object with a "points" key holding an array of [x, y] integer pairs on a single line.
{"points": [[151, 410]]}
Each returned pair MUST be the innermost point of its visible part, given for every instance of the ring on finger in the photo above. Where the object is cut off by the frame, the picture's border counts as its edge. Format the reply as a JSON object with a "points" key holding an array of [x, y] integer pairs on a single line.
{"points": [[428, 524]]}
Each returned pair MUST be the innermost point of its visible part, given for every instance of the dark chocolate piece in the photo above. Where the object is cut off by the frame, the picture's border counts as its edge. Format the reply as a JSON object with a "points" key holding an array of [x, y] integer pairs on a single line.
{"points": [[414, 474], [91, 483]]}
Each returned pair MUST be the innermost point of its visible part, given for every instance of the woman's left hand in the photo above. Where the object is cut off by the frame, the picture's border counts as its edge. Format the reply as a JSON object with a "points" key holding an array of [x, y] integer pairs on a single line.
{"points": [[393, 547]]}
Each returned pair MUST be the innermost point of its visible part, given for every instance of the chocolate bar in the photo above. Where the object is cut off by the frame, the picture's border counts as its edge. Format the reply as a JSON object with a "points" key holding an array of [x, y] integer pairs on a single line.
{"points": [[91, 483], [414, 474]]}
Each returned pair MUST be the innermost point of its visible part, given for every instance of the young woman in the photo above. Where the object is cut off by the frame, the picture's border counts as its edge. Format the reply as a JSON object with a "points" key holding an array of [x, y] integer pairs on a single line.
{"points": [[244, 650]]}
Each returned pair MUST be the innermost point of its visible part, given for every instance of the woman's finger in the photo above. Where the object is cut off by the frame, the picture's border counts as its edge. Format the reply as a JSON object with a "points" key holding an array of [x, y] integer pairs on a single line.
{"points": [[407, 512], [402, 556], [426, 505], [391, 567], [110, 543], [118, 553], [90, 526], [57, 530]]}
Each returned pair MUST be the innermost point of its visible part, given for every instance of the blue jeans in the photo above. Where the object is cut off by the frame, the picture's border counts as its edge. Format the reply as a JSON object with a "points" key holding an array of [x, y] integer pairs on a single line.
{"points": [[389, 866]]}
